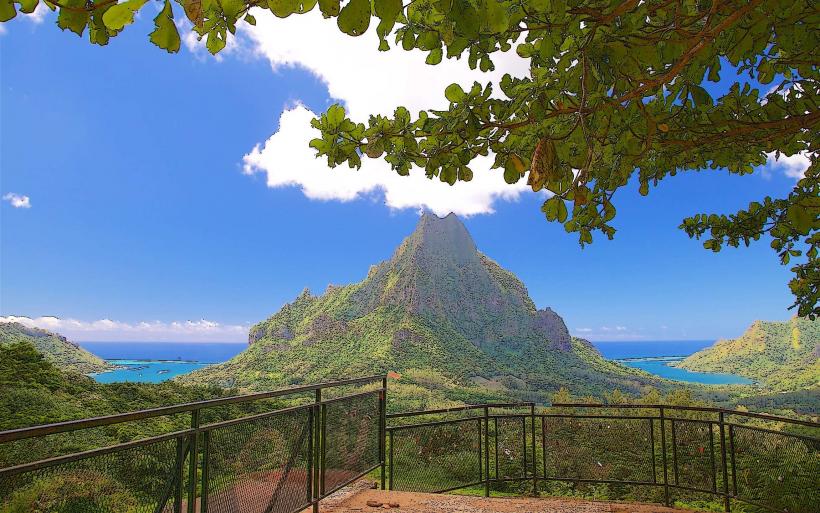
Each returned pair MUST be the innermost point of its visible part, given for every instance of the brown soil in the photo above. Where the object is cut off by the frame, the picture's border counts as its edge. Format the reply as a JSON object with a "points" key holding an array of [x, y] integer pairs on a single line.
{"points": [[410, 502]]}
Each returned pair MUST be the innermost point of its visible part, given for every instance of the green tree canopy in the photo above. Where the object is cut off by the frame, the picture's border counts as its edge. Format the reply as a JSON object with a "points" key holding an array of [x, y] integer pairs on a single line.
{"points": [[614, 91]]}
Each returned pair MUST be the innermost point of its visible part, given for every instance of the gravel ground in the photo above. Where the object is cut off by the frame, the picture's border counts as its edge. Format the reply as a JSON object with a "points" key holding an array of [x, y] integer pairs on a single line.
{"points": [[356, 501]]}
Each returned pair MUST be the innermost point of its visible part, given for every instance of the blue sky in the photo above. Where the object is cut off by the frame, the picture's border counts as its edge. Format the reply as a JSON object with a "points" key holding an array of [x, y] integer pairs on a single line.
{"points": [[168, 197]]}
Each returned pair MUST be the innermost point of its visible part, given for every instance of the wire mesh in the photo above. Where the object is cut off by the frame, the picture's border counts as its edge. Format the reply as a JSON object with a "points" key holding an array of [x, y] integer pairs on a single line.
{"points": [[508, 457], [694, 461], [775, 470], [436, 457], [599, 449], [351, 439], [261, 464], [135, 479]]}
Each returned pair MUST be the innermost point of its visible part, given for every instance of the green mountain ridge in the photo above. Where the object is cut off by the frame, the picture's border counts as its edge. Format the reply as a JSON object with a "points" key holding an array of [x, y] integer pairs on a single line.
{"points": [[447, 318], [55, 348], [784, 356]]}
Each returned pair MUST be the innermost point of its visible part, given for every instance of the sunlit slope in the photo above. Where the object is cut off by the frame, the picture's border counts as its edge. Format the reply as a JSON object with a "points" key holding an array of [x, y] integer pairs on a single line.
{"points": [[784, 356], [55, 348]]}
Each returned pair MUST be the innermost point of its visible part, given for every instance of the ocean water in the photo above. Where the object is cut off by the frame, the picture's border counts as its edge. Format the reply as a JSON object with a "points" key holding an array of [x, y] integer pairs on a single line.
{"points": [[153, 362], [618, 350], [661, 366], [146, 371], [656, 358]]}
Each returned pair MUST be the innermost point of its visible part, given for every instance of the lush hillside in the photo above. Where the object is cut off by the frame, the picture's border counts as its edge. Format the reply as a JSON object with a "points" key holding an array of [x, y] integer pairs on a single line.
{"points": [[56, 348], [449, 319], [784, 356]]}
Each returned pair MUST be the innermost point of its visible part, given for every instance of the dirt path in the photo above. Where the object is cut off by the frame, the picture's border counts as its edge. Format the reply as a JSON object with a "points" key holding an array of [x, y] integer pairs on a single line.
{"points": [[409, 502]]}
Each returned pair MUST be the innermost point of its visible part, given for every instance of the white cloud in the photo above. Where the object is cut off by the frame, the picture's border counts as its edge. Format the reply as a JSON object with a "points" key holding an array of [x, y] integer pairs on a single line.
{"points": [[287, 160], [609, 333], [793, 166], [367, 82], [145, 331], [17, 200]]}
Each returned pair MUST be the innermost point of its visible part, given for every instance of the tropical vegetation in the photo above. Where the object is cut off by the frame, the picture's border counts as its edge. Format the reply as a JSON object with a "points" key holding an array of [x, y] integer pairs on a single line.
{"points": [[785, 356]]}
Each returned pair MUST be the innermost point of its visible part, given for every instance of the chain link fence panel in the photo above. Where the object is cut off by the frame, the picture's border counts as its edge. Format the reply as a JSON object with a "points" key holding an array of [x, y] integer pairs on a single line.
{"points": [[775, 470], [436, 456], [261, 465], [351, 439], [138, 478]]}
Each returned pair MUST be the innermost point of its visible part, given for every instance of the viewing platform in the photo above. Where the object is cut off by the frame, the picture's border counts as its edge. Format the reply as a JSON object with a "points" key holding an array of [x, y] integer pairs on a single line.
{"points": [[292, 450], [362, 500]]}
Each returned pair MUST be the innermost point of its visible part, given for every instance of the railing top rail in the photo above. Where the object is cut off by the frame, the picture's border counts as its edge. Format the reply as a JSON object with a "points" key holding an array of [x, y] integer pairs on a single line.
{"points": [[763, 416], [458, 409], [73, 425]]}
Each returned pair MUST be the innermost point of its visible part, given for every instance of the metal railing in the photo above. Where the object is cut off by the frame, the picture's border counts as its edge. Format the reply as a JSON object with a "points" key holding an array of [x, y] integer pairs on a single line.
{"points": [[278, 461], [672, 451], [284, 459]]}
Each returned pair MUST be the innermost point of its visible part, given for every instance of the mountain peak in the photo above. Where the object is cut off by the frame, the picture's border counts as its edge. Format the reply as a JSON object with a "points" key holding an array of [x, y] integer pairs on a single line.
{"points": [[441, 238]]}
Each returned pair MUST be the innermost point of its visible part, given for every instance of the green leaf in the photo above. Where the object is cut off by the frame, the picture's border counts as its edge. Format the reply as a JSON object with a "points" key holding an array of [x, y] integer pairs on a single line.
{"points": [[495, 16], [329, 8], [284, 8], [454, 93], [449, 174], [800, 218], [644, 188], [466, 18], [354, 18], [434, 57], [28, 6], [700, 96], [555, 209], [250, 20], [122, 14], [7, 10], [215, 42], [72, 20], [165, 35], [408, 40], [387, 10], [231, 8], [335, 115]]}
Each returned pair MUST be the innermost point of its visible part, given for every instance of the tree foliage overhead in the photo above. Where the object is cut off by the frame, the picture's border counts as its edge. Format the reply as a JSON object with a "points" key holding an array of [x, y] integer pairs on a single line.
{"points": [[614, 91]]}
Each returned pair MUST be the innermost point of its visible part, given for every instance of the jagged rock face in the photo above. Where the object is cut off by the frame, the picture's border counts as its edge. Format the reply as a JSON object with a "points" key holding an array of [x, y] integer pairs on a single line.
{"points": [[438, 273]]}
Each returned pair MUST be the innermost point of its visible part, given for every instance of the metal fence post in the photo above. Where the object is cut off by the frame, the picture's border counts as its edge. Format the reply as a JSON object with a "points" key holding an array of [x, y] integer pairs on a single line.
{"points": [[323, 457], [180, 469], [392, 466], [480, 455], [534, 463], [316, 449], [663, 459], [382, 430], [203, 497], [524, 445], [309, 476], [192, 463], [544, 444], [726, 502], [652, 445], [487, 452], [674, 452]]}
